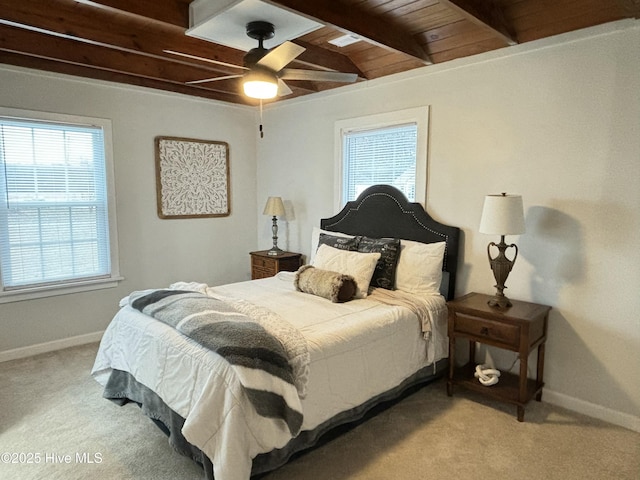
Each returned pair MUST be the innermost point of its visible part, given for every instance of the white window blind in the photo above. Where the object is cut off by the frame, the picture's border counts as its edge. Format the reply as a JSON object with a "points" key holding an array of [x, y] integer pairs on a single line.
{"points": [[380, 156], [54, 226]]}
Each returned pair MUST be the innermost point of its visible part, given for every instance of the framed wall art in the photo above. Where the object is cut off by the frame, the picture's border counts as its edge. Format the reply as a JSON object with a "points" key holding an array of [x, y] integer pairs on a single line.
{"points": [[192, 178]]}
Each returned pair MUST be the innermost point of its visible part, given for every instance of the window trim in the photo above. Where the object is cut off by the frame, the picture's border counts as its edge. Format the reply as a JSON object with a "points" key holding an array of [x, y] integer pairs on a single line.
{"points": [[39, 291], [417, 115]]}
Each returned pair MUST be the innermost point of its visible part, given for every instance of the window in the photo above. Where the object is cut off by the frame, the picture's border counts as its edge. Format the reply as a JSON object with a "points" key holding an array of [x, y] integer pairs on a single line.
{"points": [[57, 228], [380, 156], [382, 149]]}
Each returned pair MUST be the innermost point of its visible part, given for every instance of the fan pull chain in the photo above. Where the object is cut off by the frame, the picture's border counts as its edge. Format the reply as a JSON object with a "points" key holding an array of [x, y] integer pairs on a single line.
{"points": [[261, 132]]}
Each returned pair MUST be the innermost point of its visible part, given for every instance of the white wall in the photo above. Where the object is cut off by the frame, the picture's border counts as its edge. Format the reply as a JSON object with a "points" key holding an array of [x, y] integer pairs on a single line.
{"points": [[557, 121], [153, 252]]}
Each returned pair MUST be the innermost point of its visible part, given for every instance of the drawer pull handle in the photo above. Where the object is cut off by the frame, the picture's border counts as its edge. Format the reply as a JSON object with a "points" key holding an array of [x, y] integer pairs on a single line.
{"points": [[484, 331]]}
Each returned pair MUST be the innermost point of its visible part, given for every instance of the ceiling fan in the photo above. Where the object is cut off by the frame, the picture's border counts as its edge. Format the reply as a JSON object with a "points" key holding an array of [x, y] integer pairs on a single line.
{"points": [[265, 69]]}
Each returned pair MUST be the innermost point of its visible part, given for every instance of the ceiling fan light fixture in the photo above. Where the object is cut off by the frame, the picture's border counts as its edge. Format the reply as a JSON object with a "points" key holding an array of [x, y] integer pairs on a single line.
{"points": [[260, 84], [261, 90]]}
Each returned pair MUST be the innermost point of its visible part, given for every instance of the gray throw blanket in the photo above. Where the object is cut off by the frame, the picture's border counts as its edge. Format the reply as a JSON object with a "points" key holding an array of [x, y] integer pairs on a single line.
{"points": [[244, 341]]}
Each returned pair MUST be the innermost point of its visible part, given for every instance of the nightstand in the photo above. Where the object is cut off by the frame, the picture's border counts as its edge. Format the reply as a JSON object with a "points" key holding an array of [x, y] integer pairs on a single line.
{"points": [[264, 265], [520, 328]]}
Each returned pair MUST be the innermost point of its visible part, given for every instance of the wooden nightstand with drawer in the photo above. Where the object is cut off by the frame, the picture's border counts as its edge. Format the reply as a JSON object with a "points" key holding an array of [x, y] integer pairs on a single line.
{"points": [[520, 328], [264, 265]]}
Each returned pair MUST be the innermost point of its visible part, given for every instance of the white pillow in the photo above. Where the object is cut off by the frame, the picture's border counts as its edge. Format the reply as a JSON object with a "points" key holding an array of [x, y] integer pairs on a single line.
{"points": [[359, 265], [419, 269], [315, 239]]}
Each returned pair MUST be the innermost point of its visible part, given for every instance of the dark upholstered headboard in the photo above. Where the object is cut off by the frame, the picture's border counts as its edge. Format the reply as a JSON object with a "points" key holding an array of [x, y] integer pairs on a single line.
{"points": [[384, 211]]}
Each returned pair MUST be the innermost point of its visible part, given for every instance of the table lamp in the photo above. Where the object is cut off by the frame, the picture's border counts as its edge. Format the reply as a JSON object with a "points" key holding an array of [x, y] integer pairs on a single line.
{"points": [[502, 215], [274, 207]]}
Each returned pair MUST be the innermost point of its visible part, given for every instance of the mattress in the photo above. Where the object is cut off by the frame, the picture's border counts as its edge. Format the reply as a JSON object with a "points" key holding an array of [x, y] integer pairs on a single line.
{"points": [[358, 350]]}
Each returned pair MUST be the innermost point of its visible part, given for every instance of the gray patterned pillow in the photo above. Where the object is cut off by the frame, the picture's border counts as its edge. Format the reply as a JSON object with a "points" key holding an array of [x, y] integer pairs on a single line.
{"points": [[389, 248], [341, 243]]}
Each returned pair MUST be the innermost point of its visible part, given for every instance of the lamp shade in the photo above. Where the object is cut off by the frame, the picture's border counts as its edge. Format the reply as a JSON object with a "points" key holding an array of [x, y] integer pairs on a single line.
{"points": [[274, 207], [502, 215]]}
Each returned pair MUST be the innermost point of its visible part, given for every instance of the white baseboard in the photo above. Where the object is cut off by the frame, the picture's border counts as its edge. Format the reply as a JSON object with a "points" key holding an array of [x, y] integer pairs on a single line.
{"points": [[31, 350], [592, 410]]}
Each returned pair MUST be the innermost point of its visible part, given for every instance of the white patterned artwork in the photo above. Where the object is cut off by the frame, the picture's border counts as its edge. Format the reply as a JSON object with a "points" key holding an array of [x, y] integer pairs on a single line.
{"points": [[192, 178]]}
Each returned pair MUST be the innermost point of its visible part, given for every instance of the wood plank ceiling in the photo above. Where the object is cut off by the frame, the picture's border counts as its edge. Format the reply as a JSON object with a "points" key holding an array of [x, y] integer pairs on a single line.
{"points": [[125, 41]]}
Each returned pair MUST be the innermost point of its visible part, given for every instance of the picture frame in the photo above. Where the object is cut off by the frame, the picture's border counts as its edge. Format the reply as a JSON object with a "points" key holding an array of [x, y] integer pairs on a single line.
{"points": [[192, 178]]}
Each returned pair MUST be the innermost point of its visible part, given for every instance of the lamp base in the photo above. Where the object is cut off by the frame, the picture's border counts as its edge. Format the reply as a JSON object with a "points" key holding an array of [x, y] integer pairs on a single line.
{"points": [[501, 266], [274, 228], [499, 301]]}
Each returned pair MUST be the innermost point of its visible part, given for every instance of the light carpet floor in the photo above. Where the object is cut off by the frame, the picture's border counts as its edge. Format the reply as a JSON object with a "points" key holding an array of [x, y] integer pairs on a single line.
{"points": [[54, 424]]}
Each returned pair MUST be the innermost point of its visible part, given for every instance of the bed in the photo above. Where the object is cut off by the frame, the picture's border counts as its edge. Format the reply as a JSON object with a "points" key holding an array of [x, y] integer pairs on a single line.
{"points": [[238, 416]]}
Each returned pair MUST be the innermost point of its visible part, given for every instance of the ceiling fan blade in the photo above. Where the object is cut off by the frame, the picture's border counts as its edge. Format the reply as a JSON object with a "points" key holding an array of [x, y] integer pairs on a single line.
{"points": [[317, 76], [283, 89], [202, 59], [281, 56], [213, 79]]}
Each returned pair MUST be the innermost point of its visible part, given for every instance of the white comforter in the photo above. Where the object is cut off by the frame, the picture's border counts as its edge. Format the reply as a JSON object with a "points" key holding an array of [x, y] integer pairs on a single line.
{"points": [[358, 349]]}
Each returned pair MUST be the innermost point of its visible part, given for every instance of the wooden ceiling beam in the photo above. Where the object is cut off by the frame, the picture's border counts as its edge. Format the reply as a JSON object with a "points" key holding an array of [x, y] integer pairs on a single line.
{"points": [[84, 23], [316, 57], [35, 63], [38, 45], [474, 48], [171, 12], [487, 15], [358, 23]]}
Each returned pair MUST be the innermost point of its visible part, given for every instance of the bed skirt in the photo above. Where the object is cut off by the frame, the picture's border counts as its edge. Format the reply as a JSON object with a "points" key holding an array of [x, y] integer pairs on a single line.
{"points": [[123, 388]]}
